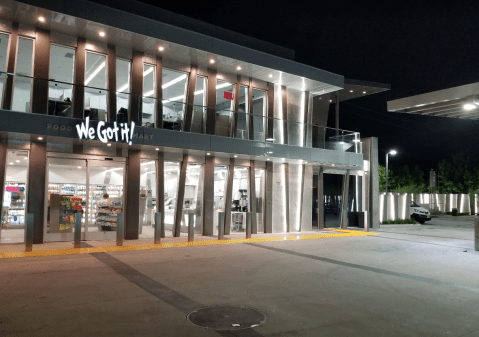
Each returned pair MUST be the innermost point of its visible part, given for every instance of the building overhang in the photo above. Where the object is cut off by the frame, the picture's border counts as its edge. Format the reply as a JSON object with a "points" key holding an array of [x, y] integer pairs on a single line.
{"points": [[358, 88]]}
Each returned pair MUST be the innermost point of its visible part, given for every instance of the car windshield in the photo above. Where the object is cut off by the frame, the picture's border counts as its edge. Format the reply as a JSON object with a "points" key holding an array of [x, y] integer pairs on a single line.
{"points": [[413, 204]]}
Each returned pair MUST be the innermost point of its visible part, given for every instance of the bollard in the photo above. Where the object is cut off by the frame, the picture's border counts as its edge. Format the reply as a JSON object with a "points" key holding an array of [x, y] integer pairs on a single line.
{"points": [[77, 234], [221, 225], [119, 229], [191, 227], [29, 233], [158, 228], [248, 225], [476, 233]]}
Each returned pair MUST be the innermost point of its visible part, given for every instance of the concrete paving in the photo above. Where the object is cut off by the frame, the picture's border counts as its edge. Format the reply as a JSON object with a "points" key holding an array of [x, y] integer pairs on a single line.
{"points": [[409, 280]]}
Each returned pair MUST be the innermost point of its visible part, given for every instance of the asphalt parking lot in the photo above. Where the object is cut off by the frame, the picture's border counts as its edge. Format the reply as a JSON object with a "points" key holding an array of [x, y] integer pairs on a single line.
{"points": [[407, 280]]}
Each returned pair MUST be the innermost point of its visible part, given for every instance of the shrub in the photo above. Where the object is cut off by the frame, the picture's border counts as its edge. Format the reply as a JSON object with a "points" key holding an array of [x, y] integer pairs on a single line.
{"points": [[449, 213], [399, 222]]}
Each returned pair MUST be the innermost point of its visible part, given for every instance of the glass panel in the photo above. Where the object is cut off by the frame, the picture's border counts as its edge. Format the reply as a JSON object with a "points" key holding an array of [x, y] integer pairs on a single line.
{"points": [[147, 199], [333, 184], [106, 198], [224, 107], [193, 201], [95, 93], [242, 120], [66, 196], [123, 70], [260, 201], [221, 175], [198, 123], [172, 180], [62, 61], [149, 94], [174, 98], [240, 200], [22, 88], [14, 198], [259, 112], [3, 60]]}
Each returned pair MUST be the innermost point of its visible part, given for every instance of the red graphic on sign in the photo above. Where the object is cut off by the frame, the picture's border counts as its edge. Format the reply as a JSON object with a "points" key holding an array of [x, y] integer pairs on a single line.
{"points": [[227, 95], [12, 189]]}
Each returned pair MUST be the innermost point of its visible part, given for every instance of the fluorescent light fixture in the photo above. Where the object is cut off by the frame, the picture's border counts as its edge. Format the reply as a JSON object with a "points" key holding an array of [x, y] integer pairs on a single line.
{"points": [[11, 163], [212, 61], [17, 161], [26, 158], [350, 91], [173, 99], [146, 72], [469, 106], [223, 85], [364, 92], [41, 19], [176, 80], [40, 138], [102, 34], [79, 167], [270, 139], [157, 149], [149, 93], [123, 87], [97, 70], [238, 68], [161, 48], [208, 154], [108, 144], [235, 156]]}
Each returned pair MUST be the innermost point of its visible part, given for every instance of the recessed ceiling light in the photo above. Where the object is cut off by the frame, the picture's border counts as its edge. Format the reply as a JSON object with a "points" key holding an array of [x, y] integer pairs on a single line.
{"points": [[157, 149], [11, 163], [161, 48], [330, 100], [235, 156], [270, 75], [350, 91], [208, 154], [305, 162], [270, 139], [108, 144], [17, 161], [102, 34], [238, 68], [79, 167], [333, 164], [212, 61], [40, 138], [41, 19], [469, 106], [268, 159], [364, 92], [26, 158]]}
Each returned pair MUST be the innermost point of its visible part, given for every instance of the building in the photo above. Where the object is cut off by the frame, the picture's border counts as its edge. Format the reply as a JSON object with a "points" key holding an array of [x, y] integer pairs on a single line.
{"points": [[132, 109]]}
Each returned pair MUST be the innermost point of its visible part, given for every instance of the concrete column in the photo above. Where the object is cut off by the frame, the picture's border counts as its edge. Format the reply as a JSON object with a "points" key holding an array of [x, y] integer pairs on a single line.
{"points": [[79, 79], [270, 111], [190, 98], [133, 195], [286, 202], [160, 192], [284, 98], [268, 203], [252, 198], [159, 93], [229, 196], [211, 109], [345, 201], [181, 197], [12, 58], [370, 152], [336, 122], [321, 198], [36, 187], [41, 67], [136, 88], [209, 196], [111, 83]]}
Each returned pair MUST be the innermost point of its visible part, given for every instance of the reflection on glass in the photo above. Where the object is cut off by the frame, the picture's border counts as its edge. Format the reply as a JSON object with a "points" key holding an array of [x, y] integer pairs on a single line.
{"points": [[23, 85], [240, 199], [61, 70], [123, 69], [66, 197], [333, 184], [95, 87], [198, 123], [221, 176], [193, 200], [224, 107], [174, 98], [14, 197], [3, 60], [106, 198], [260, 202], [241, 120], [259, 112], [172, 180], [149, 93], [147, 199]]}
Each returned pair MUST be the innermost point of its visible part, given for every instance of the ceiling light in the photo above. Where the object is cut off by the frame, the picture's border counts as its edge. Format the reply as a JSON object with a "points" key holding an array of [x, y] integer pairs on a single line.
{"points": [[97, 70], [157, 149], [235, 156], [223, 85], [17, 161], [333, 164], [11, 163], [208, 154], [40, 138], [270, 75], [79, 167], [350, 91], [212, 61], [268, 159], [469, 106], [102, 34], [330, 100], [238, 68], [161, 48], [364, 92], [108, 144], [123, 87], [270, 139], [26, 158], [146, 72], [176, 80], [41, 19]]}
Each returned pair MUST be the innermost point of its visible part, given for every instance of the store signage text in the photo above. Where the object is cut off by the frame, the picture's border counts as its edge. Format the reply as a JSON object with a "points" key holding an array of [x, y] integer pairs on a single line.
{"points": [[104, 134]]}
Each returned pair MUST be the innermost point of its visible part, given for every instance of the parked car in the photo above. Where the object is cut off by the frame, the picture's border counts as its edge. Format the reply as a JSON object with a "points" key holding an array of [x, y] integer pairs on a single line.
{"points": [[418, 213]]}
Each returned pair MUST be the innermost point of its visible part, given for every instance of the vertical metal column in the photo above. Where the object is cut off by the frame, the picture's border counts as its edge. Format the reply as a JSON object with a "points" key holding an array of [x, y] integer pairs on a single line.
{"points": [[284, 100], [191, 226], [221, 225], [321, 198], [111, 83], [160, 192], [248, 225], [77, 234], [209, 196], [41, 68], [159, 92], [79, 79], [476, 233], [190, 98], [120, 229], [344, 204], [180, 197], [337, 114], [286, 201], [158, 228], [29, 233], [252, 197], [268, 203], [229, 196]]}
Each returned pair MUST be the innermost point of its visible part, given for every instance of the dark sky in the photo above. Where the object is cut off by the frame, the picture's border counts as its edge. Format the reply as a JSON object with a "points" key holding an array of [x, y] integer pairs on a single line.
{"points": [[416, 47]]}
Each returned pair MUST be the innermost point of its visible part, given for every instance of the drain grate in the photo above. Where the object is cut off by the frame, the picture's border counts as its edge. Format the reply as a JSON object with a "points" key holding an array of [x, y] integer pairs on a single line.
{"points": [[227, 317]]}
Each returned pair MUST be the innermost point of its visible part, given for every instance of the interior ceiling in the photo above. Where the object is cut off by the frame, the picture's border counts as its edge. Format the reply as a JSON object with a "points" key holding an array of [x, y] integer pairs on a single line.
{"points": [[57, 22]]}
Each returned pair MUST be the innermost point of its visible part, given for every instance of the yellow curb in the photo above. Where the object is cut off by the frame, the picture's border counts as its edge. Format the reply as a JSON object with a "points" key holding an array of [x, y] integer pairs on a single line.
{"points": [[109, 249]]}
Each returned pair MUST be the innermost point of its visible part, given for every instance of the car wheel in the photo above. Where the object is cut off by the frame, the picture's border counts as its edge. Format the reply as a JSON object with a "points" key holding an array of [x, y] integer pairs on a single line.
{"points": [[421, 221]]}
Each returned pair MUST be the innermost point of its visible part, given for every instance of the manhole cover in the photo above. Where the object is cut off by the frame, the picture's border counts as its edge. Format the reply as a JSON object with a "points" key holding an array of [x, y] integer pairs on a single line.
{"points": [[226, 317]]}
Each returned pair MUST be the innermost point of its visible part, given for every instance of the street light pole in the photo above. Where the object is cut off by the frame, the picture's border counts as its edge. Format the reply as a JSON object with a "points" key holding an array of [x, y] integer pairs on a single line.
{"points": [[386, 199]]}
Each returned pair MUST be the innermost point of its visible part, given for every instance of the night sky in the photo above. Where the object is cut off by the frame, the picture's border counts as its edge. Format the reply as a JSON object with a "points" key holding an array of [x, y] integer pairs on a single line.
{"points": [[415, 48]]}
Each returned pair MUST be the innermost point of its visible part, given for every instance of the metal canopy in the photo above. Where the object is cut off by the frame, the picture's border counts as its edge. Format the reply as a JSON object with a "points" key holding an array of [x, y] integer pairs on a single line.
{"points": [[442, 103], [357, 88]]}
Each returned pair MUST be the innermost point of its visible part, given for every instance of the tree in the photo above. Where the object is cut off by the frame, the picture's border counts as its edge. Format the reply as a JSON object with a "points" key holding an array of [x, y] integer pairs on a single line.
{"points": [[402, 179], [457, 176]]}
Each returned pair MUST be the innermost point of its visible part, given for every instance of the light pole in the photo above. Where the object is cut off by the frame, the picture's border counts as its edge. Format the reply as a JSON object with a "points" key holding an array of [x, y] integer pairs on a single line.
{"points": [[386, 204]]}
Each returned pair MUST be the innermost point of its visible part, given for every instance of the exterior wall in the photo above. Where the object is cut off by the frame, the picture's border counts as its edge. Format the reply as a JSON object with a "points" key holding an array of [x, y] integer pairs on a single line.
{"points": [[371, 183]]}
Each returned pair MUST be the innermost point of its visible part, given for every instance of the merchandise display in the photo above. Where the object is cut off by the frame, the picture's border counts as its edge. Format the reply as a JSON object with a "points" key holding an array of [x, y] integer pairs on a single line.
{"points": [[64, 201], [105, 204], [14, 202]]}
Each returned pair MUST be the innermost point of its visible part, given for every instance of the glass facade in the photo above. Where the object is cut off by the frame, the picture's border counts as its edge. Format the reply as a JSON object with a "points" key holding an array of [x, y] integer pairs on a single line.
{"points": [[22, 89], [3, 60], [241, 123], [174, 98], [148, 110], [95, 87], [60, 87], [240, 199], [193, 198], [198, 123], [221, 177], [147, 198], [259, 113], [172, 181], [224, 107], [123, 72], [260, 175]]}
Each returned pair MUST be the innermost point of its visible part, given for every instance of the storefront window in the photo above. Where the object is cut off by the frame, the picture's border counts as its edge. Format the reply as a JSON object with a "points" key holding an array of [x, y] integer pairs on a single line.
{"points": [[14, 198], [123, 69], [172, 180], [174, 98], [221, 176], [193, 200], [259, 113], [333, 184], [149, 96], [198, 123], [147, 199], [260, 201], [95, 87], [224, 107], [66, 195], [240, 200], [22, 88], [3, 60], [242, 121], [62, 60]]}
